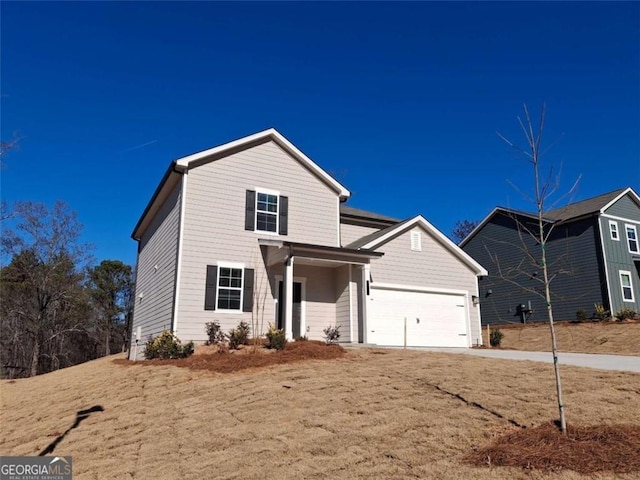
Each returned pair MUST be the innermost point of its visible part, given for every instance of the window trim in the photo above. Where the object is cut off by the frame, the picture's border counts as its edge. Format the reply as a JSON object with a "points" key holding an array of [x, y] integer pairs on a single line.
{"points": [[626, 273], [236, 266], [627, 227], [266, 191], [613, 229]]}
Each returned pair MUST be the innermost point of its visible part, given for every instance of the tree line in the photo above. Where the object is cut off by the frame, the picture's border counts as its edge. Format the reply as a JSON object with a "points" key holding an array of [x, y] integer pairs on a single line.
{"points": [[57, 309]]}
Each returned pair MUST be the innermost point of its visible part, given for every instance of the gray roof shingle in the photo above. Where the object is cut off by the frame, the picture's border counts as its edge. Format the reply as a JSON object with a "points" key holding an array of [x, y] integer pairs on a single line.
{"points": [[584, 207], [356, 212]]}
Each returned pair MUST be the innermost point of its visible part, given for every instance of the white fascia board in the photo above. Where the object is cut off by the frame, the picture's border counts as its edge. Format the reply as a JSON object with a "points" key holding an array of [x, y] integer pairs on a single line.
{"points": [[276, 136], [634, 195], [439, 236]]}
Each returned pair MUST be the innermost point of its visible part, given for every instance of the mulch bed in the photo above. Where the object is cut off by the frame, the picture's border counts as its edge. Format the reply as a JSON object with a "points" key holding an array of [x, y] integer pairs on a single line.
{"points": [[250, 358], [604, 448]]}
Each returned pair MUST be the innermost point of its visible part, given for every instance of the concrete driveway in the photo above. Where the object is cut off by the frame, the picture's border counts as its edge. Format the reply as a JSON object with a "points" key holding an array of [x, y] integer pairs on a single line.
{"points": [[589, 360]]}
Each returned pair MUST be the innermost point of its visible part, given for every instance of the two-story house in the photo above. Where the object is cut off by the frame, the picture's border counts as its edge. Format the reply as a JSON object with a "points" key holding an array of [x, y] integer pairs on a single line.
{"points": [[593, 254], [254, 230]]}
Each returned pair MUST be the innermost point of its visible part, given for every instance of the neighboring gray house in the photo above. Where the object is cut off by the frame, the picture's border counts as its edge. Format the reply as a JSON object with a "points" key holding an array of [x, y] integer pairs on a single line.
{"points": [[254, 230], [594, 248]]}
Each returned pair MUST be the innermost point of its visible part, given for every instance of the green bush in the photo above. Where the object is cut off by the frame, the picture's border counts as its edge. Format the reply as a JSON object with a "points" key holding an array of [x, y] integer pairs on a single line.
{"points": [[276, 338], [167, 346], [582, 315], [495, 337], [303, 338], [239, 335], [215, 333], [626, 314], [601, 313], [331, 334]]}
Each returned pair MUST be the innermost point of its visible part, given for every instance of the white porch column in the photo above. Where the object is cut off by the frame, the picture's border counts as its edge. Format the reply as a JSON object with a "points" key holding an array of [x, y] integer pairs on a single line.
{"points": [[288, 299], [366, 277]]}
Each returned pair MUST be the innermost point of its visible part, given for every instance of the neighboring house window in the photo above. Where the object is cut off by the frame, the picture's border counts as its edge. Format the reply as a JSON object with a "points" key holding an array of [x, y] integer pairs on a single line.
{"points": [[266, 211], [632, 238], [229, 288], [416, 241], [627, 286], [613, 228]]}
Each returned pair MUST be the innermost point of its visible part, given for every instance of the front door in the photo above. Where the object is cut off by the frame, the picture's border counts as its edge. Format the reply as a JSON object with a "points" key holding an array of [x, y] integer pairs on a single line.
{"points": [[297, 307]]}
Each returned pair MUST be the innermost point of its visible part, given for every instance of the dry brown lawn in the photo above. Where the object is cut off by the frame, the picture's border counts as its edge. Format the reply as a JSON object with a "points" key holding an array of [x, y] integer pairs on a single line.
{"points": [[369, 414], [590, 337]]}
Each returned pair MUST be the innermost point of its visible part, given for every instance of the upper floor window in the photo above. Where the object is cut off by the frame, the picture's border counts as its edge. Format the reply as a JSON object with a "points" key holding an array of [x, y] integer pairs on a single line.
{"points": [[627, 286], [613, 229], [266, 211], [632, 238]]}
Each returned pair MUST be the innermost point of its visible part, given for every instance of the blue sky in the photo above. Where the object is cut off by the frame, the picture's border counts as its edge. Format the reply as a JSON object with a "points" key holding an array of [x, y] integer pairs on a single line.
{"points": [[399, 101]]}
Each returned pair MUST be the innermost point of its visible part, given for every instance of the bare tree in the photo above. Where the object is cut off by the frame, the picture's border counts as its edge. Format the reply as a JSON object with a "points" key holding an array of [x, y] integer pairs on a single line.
{"points": [[42, 285], [545, 188], [462, 229]]}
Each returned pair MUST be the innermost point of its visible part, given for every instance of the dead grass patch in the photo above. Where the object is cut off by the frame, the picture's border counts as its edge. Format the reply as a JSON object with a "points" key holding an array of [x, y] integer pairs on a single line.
{"points": [[614, 338], [602, 448], [250, 357]]}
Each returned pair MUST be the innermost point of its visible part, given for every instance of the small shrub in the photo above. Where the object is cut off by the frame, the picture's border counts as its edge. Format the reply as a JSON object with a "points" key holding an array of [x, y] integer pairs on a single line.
{"points": [[331, 334], [276, 338], [582, 315], [303, 338], [215, 333], [601, 313], [238, 336], [626, 314], [167, 346], [222, 348], [495, 337]]}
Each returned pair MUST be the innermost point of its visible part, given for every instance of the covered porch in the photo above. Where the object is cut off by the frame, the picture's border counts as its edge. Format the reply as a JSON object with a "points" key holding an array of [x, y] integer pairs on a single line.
{"points": [[316, 286]]}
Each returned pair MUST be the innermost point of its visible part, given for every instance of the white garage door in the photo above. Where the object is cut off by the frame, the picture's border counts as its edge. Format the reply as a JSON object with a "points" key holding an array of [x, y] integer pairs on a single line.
{"points": [[433, 319]]}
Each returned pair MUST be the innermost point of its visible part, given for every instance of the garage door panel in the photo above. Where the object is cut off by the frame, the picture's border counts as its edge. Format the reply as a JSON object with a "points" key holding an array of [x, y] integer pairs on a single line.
{"points": [[433, 319]]}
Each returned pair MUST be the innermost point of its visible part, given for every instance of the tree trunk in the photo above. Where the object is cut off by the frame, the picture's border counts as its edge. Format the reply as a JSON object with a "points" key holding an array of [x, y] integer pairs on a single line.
{"points": [[107, 350], [35, 358]]}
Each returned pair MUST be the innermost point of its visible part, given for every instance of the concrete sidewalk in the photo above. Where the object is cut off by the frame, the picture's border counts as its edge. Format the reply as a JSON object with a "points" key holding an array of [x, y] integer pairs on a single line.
{"points": [[589, 360]]}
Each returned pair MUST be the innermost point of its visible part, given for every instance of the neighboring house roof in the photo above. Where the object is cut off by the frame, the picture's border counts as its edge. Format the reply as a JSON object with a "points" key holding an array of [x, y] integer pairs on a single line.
{"points": [[356, 213], [586, 207], [379, 238], [570, 212], [177, 167]]}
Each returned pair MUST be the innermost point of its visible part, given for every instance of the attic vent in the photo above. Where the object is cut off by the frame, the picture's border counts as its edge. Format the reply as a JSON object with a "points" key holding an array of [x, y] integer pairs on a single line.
{"points": [[416, 241]]}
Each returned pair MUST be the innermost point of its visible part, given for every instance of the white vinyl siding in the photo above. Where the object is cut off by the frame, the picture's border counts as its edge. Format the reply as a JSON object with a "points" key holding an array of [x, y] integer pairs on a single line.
{"points": [[342, 302], [627, 286], [214, 230], [434, 267], [156, 271], [613, 230], [632, 238]]}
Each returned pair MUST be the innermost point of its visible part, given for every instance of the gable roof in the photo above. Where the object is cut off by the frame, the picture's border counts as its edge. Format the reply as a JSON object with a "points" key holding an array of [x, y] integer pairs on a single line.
{"points": [[570, 212], [356, 214], [249, 141], [588, 206], [379, 238], [180, 165]]}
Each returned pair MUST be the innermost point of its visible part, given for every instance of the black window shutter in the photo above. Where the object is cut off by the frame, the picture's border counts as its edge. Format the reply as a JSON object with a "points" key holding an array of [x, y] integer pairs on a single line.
{"points": [[250, 211], [211, 285], [247, 300], [284, 215]]}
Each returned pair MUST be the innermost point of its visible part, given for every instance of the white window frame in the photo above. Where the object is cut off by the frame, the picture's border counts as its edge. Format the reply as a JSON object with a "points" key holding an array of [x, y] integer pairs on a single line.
{"points": [[416, 241], [266, 191], [626, 273], [236, 266], [627, 228], [613, 230]]}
